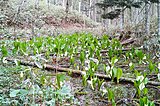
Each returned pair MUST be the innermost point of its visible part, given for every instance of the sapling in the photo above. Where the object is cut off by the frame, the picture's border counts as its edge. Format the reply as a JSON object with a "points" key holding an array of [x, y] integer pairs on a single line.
{"points": [[140, 83]]}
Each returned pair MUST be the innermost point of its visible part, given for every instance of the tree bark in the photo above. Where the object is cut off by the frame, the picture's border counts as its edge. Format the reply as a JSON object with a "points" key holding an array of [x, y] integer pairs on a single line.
{"points": [[147, 19], [79, 8], [122, 21], [94, 11], [130, 16], [63, 3], [89, 12], [158, 11]]}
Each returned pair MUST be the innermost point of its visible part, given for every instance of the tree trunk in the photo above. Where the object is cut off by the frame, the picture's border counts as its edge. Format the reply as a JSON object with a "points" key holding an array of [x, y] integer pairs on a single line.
{"points": [[71, 5], [147, 20], [67, 7], [94, 11], [79, 8], [130, 16], [67, 11], [122, 21], [89, 12], [158, 11], [63, 3]]}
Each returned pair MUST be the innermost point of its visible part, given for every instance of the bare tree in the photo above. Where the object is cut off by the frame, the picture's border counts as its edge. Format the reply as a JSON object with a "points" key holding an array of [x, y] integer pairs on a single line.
{"points": [[158, 11], [147, 19], [79, 8], [122, 21], [95, 11]]}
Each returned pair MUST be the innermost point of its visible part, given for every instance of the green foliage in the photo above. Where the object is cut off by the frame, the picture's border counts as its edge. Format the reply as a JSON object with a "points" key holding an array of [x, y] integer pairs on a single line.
{"points": [[140, 83], [111, 97], [59, 80], [82, 57], [84, 51], [145, 102], [118, 74], [4, 51]]}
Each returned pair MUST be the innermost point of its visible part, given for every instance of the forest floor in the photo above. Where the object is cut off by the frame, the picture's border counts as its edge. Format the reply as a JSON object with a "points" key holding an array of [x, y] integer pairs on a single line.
{"points": [[26, 80]]}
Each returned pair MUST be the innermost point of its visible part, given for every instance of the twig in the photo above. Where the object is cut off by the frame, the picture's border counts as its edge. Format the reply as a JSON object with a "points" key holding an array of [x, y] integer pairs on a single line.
{"points": [[128, 41]]}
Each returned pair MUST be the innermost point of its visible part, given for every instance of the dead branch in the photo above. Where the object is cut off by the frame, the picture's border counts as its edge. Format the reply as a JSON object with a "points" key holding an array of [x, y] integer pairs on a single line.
{"points": [[128, 41], [79, 72]]}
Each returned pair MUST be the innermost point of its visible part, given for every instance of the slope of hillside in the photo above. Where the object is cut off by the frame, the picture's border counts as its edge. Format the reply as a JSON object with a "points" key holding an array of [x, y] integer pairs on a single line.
{"points": [[27, 14]]}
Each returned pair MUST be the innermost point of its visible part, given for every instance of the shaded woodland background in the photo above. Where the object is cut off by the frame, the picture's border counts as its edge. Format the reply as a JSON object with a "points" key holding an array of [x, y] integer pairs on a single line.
{"points": [[80, 52]]}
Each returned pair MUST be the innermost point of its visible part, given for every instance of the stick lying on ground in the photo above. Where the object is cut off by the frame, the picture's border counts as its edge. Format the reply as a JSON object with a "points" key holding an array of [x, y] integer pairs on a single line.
{"points": [[50, 67]]}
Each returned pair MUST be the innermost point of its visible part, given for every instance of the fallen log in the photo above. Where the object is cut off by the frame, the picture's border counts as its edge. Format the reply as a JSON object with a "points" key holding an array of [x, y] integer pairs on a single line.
{"points": [[79, 72], [128, 41]]}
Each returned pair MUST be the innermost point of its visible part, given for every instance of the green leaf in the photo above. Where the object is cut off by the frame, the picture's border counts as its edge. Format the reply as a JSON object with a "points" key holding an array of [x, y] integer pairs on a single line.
{"points": [[82, 57], [72, 60], [131, 65], [42, 79], [140, 78], [141, 86], [145, 91], [151, 66], [110, 94], [100, 82], [4, 51], [14, 93], [141, 102], [119, 74], [92, 47], [16, 45], [59, 79], [146, 80], [151, 103], [114, 60], [114, 72], [110, 53], [63, 46], [113, 102], [136, 73], [23, 46], [84, 80], [139, 54], [98, 54], [23, 92]]}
